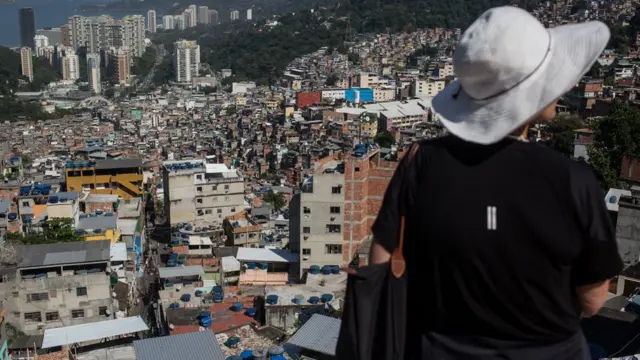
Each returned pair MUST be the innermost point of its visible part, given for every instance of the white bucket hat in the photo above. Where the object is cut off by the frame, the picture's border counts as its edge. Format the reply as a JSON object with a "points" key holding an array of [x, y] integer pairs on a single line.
{"points": [[509, 68]]}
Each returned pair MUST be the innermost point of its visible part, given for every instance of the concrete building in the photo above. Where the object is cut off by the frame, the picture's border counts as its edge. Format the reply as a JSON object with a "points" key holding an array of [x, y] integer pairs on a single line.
{"points": [[249, 14], [168, 22], [186, 60], [27, 22], [120, 177], [104, 32], [213, 17], [41, 42], [70, 67], [193, 20], [121, 60], [180, 22], [201, 193], [53, 34], [93, 73], [331, 217], [151, 21], [242, 230], [65, 35], [60, 284], [26, 62], [426, 88], [234, 15], [203, 15], [4, 348], [133, 34]]}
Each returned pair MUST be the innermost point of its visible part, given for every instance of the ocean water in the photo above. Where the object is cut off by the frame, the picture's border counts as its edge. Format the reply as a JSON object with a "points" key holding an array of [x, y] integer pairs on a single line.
{"points": [[49, 13]]}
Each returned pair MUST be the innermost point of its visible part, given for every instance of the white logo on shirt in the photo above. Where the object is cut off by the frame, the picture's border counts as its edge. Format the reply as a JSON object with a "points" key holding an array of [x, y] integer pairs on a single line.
{"points": [[492, 223]]}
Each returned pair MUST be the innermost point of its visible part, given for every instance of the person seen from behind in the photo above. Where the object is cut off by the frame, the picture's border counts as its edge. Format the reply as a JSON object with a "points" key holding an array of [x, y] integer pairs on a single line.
{"points": [[507, 243]]}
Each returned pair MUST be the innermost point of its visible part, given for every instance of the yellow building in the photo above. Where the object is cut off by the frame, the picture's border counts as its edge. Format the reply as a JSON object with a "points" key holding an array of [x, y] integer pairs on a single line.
{"points": [[118, 177], [99, 228]]}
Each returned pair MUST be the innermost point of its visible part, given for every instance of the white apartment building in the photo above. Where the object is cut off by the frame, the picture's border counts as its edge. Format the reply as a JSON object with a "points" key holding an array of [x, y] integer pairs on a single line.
{"points": [[193, 20], [320, 217], [180, 22], [428, 88], [186, 60], [151, 21], [203, 15], [201, 193], [384, 93], [249, 14], [234, 15], [70, 67], [104, 32], [55, 285], [26, 62], [42, 43], [93, 73], [168, 22]]}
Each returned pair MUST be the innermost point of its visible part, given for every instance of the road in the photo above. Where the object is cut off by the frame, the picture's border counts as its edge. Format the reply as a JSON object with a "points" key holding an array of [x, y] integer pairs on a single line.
{"points": [[161, 52]]}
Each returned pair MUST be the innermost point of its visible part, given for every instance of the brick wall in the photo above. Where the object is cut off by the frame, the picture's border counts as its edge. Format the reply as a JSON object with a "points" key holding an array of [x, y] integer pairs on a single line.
{"points": [[204, 262], [366, 181], [308, 98], [630, 169]]}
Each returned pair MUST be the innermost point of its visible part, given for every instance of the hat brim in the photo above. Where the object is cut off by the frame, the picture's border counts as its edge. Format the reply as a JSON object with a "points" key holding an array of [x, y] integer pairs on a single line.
{"points": [[573, 51]]}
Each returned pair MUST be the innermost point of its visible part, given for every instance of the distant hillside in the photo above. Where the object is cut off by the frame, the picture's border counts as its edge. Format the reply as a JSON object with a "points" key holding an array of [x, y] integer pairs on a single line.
{"points": [[9, 70]]}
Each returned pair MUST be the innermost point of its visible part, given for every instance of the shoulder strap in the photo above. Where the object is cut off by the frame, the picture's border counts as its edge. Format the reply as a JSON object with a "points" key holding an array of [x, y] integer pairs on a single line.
{"points": [[398, 265]]}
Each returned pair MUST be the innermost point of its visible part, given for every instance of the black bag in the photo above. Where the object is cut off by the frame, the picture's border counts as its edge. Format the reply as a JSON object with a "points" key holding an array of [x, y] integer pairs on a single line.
{"points": [[374, 319]]}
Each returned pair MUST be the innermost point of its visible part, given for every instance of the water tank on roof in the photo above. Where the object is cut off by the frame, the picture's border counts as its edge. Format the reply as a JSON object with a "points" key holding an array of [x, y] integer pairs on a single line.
{"points": [[12, 216], [174, 305], [233, 341], [205, 321], [185, 297], [278, 357], [251, 266], [247, 354], [27, 219], [272, 299], [97, 231], [217, 290], [298, 299], [237, 306], [99, 212], [613, 199], [251, 312], [326, 270], [314, 300], [335, 269], [188, 227], [260, 354], [276, 350], [326, 297], [218, 298], [314, 269], [263, 266], [234, 357], [53, 200]]}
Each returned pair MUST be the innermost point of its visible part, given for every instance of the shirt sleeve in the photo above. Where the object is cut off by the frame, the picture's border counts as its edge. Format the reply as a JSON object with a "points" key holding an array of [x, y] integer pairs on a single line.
{"points": [[599, 259], [387, 225]]}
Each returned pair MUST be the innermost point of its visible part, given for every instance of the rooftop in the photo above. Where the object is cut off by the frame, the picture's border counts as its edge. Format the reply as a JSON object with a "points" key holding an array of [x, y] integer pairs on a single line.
{"points": [[180, 271], [201, 345], [65, 253], [92, 331], [223, 319], [266, 255], [319, 334], [97, 222]]}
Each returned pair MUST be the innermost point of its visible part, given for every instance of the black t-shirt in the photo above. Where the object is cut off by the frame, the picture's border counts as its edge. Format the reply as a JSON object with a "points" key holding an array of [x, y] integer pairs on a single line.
{"points": [[497, 239]]}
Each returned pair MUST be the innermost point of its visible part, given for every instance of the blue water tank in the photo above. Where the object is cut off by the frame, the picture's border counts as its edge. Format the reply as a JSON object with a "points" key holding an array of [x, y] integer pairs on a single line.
{"points": [[185, 297], [234, 357], [278, 357], [251, 312], [205, 321], [314, 269], [99, 212], [326, 270], [263, 266], [314, 300], [251, 266], [272, 299], [613, 199], [233, 341], [335, 269], [198, 293], [247, 354], [237, 306], [326, 297], [174, 305], [217, 290], [298, 299], [218, 298], [12, 216]]}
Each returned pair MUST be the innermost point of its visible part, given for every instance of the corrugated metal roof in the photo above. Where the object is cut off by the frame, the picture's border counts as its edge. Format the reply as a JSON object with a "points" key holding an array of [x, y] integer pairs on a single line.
{"points": [[92, 331], [192, 270], [319, 334], [266, 255], [193, 346], [98, 222], [58, 253]]}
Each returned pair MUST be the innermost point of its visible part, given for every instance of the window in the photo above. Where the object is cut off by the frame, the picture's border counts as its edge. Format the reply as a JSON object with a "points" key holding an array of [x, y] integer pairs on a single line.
{"points": [[306, 251], [200, 213], [226, 187], [39, 296], [199, 177], [33, 317], [77, 313], [52, 316], [306, 230], [102, 310], [357, 168], [219, 211], [199, 188], [25, 204], [336, 189], [334, 209], [306, 210], [208, 211], [81, 291], [333, 249], [332, 228], [233, 210], [226, 198], [199, 201], [214, 187]]}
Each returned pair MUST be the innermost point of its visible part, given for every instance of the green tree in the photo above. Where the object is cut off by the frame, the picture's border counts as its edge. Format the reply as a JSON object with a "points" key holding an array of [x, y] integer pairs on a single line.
{"points": [[54, 231], [562, 135], [614, 137], [276, 200], [384, 138]]}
